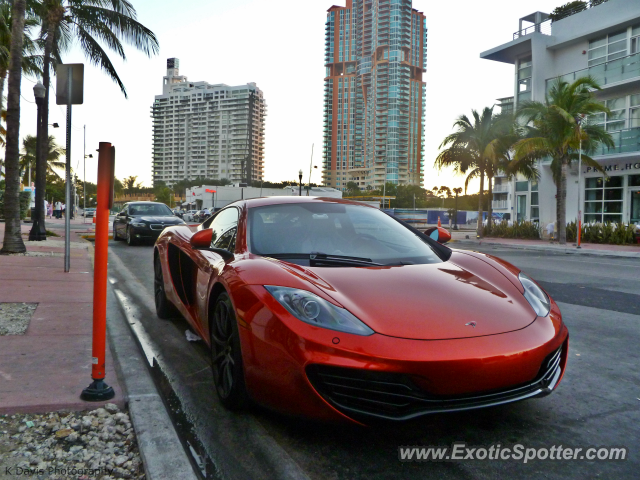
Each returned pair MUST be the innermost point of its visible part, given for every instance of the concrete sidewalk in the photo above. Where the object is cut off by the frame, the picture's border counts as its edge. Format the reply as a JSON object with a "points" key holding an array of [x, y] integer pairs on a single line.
{"points": [[47, 368], [630, 251]]}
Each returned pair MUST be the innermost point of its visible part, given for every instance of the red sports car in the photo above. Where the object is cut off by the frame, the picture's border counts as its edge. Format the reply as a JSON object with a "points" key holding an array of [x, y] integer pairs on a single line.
{"points": [[332, 309]]}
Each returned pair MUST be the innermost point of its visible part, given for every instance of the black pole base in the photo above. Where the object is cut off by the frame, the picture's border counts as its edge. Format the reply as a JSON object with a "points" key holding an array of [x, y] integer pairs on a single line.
{"points": [[37, 232], [97, 391]]}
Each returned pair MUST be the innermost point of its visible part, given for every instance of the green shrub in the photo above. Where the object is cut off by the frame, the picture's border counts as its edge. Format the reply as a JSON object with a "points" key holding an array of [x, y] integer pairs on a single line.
{"points": [[528, 230], [610, 233], [25, 198]]}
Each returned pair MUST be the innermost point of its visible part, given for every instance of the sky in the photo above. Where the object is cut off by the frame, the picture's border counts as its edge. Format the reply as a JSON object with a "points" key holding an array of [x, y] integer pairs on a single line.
{"points": [[280, 46]]}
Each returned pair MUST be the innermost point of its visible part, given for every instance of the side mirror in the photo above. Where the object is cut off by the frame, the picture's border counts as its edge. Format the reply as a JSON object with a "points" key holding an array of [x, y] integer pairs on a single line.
{"points": [[202, 240], [439, 234]]}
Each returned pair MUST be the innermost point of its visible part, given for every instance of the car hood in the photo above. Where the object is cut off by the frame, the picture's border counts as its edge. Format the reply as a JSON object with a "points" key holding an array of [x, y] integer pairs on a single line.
{"points": [[426, 302], [165, 220]]}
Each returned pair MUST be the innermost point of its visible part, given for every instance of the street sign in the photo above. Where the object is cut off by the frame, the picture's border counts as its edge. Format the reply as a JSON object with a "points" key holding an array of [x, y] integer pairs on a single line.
{"points": [[76, 72]]}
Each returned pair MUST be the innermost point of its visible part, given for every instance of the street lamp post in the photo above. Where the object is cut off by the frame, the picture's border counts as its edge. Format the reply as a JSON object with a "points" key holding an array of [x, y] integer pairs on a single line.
{"points": [[300, 180], [38, 230], [84, 175]]}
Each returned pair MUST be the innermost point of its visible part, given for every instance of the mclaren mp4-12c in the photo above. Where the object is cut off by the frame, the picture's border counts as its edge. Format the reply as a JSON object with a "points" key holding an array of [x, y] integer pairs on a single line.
{"points": [[335, 310]]}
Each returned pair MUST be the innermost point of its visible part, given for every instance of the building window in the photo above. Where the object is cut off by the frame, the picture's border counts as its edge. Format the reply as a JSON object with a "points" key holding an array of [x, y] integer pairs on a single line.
{"points": [[524, 79], [608, 47], [603, 199], [522, 186]]}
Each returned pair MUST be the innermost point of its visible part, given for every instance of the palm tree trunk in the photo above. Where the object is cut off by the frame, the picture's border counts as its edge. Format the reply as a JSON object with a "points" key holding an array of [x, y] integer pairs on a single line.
{"points": [[3, 76], [12, 235], [479, 232], [562, 207], [489, 219]]}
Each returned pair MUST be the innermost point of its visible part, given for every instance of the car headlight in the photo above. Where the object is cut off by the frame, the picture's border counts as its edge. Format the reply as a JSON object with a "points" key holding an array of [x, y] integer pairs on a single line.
{"points": [[316, 311], [139, 225], [535, 296]]}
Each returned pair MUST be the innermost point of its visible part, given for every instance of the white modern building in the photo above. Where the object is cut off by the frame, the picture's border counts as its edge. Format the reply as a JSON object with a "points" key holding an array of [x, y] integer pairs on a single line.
{"points": [[215, 197], [602, 41], [203, 131]]}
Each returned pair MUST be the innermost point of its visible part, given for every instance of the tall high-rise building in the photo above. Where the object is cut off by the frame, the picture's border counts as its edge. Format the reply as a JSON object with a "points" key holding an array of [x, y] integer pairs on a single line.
{"points": [[207, 131], [375, 58]]}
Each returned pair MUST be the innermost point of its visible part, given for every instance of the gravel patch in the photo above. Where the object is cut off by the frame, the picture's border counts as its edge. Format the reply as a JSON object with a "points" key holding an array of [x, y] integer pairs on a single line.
{"points": [[98, 444], [15, 317]]}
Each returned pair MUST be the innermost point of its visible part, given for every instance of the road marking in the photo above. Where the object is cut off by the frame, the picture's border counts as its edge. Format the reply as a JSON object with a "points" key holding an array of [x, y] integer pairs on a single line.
{"points": [[132, 313]]}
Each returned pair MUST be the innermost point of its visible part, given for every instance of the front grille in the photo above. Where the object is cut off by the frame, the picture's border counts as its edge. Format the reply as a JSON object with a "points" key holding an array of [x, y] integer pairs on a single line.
{"points": [[395, 396], [156, 226]]}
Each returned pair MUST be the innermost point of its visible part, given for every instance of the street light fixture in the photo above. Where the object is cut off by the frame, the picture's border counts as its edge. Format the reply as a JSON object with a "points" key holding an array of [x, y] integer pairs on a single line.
{"points": [[300, 179], [38, 230]]}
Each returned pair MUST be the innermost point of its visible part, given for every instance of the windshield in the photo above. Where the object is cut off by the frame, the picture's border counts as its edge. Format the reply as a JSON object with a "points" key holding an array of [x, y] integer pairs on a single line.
{"points": [[334, 229], [149, 209]]}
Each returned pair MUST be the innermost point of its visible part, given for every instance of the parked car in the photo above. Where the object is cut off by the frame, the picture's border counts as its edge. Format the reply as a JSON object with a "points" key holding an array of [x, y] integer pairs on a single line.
{"points": [[178, 213], [331, 309], [89, 212], [189, 215], [142, 220]]}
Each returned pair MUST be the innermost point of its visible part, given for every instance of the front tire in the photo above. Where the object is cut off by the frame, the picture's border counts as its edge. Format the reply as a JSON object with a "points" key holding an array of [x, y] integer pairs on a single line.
{"points": [[131, 240], [226, 356], [164, 308], [116, 237]]}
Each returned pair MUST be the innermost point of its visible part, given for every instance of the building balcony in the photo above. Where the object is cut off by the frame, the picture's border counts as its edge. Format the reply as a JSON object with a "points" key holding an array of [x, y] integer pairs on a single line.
{"points": [[619, 70], [499, 204], [500, 188], [624, 141]]}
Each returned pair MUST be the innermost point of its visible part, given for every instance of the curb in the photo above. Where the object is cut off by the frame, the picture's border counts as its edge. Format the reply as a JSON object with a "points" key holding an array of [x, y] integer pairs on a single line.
{"points": [[163, 455], [566, 250]]}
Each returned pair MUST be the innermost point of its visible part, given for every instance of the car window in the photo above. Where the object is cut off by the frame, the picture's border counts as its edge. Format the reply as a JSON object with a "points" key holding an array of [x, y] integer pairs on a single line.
{"points": [[227, 240], [335, 229], [223, 221], [149, 209]]}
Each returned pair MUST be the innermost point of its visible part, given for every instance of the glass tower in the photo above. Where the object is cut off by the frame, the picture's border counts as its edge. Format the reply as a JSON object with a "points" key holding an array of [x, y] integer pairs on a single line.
{"points": [[375, 58]]}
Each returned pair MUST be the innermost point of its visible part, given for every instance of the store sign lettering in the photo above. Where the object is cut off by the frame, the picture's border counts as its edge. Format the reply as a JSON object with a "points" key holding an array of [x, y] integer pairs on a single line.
{"points": [[616, 168]]}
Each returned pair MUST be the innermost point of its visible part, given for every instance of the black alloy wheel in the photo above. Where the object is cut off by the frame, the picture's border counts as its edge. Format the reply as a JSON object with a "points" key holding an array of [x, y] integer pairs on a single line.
{"points": [[115, 233], [226, 357], [131, 240], [164, 308]]}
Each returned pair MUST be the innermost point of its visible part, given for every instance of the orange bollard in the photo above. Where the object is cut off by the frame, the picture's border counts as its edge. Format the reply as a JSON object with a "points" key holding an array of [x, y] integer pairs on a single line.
{"points": [[579, 229], [99, 390], [439, 224]]}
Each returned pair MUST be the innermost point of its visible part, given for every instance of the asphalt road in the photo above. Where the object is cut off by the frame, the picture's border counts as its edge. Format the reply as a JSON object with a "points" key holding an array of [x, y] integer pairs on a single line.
{"points": [[597, 404]]}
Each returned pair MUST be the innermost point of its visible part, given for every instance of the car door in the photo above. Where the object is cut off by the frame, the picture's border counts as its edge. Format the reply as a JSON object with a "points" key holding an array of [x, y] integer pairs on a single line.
{"points": [[211, 265], [120, 220]]}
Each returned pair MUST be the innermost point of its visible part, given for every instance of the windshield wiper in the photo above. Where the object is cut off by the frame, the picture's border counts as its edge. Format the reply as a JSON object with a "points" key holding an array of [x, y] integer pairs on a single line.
{"points": [[323, 258], [317, 258]]}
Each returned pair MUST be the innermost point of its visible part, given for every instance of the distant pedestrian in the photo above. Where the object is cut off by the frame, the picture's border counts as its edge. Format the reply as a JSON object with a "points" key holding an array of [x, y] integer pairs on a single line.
{"points": [[50, 210], [550, 230], [63, 209], [58, 209]]}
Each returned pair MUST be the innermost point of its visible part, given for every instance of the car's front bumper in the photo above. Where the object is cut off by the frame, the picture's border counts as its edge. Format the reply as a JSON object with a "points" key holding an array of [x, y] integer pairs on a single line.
{"points": [[304, 370]]}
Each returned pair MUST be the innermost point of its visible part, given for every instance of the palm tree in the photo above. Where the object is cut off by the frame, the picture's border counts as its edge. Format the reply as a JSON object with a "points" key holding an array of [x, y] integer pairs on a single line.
{"points": [[12, 242], [88, 21], [469, 150], [53, 153], [554, 131]]}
